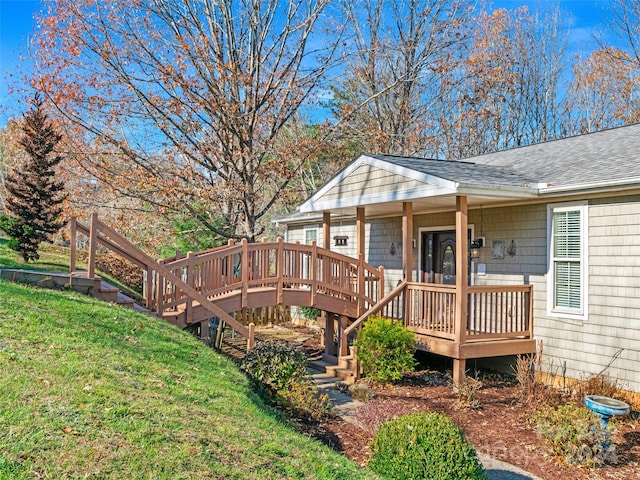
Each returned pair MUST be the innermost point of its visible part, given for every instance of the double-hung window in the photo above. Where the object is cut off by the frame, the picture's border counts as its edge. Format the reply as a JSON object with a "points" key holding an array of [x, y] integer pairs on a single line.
{"points": [[567, 286]]}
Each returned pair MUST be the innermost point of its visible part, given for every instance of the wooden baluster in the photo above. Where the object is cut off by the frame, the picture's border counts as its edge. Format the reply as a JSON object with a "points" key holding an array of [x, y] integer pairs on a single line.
{"points": [[148, 293], [245, 273]]}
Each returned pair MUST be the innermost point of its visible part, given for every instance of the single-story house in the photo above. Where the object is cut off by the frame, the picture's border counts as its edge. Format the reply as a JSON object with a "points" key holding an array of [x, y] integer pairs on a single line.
{"points": [[560, 219]]}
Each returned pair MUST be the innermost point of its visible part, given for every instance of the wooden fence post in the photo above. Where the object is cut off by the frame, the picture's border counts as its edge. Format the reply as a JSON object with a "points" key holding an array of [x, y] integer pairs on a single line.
{"points": [[93, 240]]}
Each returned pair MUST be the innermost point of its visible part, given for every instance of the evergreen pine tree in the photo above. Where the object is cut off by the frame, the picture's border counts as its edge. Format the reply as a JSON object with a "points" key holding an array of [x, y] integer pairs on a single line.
{"points": [[35, 196]]}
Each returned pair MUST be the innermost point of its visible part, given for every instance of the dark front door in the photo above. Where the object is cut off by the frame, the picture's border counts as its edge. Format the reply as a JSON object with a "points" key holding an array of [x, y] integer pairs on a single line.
{"points": [[439, 257]]}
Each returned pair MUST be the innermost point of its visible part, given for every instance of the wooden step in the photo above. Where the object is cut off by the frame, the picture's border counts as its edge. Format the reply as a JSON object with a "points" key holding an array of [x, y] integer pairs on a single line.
{"points": [[345, 374], [341, 370]]}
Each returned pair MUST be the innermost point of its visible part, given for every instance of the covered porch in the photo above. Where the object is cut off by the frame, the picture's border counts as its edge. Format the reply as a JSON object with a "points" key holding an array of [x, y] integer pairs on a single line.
{"points": [[451, 317], [459, 321]]}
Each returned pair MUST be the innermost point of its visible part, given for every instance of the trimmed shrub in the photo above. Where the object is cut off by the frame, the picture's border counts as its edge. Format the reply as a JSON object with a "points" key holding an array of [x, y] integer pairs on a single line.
{"points": [[575, 434], [424, 446], [385, 350], [278, 370], [275, 365], [305, 400]]}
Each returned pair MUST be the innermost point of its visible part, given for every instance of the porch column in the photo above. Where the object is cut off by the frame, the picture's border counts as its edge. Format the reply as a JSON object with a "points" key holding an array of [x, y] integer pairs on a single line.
{"points": [[326, 230], [407, 240], [360, 219], [360, 233], [327, 337], [462, 261]]}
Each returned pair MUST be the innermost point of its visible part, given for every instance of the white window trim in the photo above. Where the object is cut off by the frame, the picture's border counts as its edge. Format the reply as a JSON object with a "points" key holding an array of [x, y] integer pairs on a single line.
{"points": [[583, 312]]}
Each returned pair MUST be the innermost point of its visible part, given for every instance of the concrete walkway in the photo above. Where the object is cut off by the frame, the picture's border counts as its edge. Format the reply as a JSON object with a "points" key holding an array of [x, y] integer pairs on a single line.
{"points": [[344, 406]]}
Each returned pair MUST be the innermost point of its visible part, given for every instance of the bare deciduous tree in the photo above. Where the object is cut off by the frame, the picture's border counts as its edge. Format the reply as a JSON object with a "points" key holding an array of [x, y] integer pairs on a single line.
{"points": [[183, 102], [504, 92], [399, 49]]}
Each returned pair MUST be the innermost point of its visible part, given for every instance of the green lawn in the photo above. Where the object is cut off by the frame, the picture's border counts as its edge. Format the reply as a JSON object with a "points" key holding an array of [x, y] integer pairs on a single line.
{"points": [[55, 258], [52, 258], [91, 390]]}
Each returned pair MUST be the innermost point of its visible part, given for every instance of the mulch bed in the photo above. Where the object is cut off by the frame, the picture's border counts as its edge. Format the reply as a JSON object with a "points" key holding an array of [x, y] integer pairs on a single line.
{"points": [[499, 427]]}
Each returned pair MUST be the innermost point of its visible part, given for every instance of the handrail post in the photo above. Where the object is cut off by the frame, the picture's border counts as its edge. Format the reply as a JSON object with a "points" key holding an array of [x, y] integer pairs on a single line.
{"points": [[245, 273], [529, 310], [313, 283], [93, 240], [72, 244], [251, 337], [280, 271], [160, 289], [190, 282], [343, 348]]}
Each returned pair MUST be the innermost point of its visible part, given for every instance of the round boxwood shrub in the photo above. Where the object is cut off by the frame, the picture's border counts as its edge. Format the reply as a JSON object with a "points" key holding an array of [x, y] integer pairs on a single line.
{"points": [[424, 446], [385, 350]]}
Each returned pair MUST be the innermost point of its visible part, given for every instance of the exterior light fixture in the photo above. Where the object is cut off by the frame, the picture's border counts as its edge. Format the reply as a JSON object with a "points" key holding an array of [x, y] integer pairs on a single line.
{"points": [[392, 249], [474, 249], [511, 249]]}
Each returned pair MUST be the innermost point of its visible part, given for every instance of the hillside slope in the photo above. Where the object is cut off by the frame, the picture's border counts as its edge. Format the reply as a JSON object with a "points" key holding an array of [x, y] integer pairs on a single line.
{"points": [[90, 390]]}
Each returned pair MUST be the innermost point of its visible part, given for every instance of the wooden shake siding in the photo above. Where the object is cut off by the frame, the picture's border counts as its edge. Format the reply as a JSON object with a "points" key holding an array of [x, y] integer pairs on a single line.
{"points": [[366, 179], [614, 288]]}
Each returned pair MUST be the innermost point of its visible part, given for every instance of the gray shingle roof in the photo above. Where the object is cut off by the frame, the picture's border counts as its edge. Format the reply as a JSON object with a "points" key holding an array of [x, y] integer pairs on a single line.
{"points": [[600, 157], [465, 172]]}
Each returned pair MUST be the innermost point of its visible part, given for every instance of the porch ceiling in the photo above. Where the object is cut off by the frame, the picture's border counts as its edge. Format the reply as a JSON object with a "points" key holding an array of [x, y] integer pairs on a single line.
{"points": [[424, 205], [441, 203]]}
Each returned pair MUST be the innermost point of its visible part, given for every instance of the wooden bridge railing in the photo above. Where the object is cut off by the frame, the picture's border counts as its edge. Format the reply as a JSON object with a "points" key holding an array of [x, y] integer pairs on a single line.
{"points": [[276, 265], [101, 234], [430, 309]]}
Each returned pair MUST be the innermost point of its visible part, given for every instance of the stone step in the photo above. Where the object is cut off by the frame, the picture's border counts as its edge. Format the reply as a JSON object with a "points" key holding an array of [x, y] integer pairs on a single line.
{"points": [[323, 380], [108, 294]]}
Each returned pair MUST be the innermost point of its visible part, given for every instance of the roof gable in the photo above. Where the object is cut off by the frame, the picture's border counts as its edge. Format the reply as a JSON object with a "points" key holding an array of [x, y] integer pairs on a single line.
{"points": [[370, 179]]}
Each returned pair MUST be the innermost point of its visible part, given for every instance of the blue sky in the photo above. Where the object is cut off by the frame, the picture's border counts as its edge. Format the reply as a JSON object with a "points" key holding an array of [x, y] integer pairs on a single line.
{"points": [[16, 24]]}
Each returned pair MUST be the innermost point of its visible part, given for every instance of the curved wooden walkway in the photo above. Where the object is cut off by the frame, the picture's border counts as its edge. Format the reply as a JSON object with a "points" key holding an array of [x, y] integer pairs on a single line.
{"points": [[253, 275], [194, 288]]}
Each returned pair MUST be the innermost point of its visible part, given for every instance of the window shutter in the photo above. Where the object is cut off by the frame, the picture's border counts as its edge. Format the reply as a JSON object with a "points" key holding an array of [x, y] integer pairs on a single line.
{"points": [[567, 249]]}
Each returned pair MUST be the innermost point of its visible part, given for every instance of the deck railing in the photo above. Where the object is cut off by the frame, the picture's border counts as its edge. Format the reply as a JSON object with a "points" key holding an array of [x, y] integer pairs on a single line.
{"points": [[493, 312]]}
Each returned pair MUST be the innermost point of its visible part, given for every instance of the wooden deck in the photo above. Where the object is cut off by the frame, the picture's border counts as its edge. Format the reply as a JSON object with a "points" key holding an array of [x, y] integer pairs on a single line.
{"points": [[499, 319], [239, 276], [192, 289]]}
